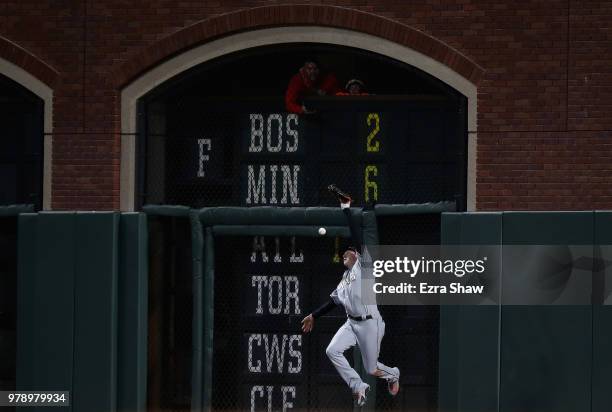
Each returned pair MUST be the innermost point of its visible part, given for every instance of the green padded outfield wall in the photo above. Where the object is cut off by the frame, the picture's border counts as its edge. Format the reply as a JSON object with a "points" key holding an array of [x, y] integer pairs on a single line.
{"points": [[133, 314], [546, 350], [469, 335], [551, 357], [602, 318], [69, 334], [45, 296], [94, 382]]}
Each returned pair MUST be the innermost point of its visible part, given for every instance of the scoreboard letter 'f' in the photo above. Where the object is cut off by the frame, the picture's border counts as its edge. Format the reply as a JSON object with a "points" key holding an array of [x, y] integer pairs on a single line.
{"points": [[203, 157]]}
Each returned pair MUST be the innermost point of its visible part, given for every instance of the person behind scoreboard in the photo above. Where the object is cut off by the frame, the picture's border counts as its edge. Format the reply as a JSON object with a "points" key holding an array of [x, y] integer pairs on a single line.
{"points": [[354, 87], [364, 325], [308, 81]]}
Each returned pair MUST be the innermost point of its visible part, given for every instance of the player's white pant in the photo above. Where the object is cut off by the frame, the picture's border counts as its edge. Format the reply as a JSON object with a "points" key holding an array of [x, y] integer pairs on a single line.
{"points": [[367, 334]]}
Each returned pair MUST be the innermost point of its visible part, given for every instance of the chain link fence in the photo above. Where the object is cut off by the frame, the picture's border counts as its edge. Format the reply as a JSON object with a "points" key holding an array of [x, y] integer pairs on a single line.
{"points": [[264, 286], [413, 331]]}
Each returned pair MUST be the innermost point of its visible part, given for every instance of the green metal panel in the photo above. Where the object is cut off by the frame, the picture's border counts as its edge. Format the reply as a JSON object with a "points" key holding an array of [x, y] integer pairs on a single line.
{"points": [[133, 318], [469, 335], [27, 332], [200, 394], [602, 318], [414, 209], [166, 210], [548, 228], [14, 210], [276, 230], [95, 331], [268, 215], [451, 228], [208, 283], [546, 350], [47, 250], [448, 350]]}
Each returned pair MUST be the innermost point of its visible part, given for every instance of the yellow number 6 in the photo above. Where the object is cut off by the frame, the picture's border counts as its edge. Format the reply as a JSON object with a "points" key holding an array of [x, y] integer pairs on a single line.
{"points": [[376, 146], [371, 170]]}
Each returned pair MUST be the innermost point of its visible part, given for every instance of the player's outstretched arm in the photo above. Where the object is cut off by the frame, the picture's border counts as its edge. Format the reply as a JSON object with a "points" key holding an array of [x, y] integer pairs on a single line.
{"points": [[308, 321], [345, 203]]}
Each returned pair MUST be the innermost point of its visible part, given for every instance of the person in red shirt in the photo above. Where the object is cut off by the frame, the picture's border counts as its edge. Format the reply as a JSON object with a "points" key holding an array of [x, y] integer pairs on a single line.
{"points": [[308, 82]]}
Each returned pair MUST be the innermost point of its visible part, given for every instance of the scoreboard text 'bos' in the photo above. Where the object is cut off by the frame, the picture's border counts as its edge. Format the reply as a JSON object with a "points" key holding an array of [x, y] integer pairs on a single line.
{"points": [[270, 183]]}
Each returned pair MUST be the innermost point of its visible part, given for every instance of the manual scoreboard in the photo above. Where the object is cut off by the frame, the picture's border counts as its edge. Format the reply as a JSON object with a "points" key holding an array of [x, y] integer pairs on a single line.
{"points": [[381, 149]]}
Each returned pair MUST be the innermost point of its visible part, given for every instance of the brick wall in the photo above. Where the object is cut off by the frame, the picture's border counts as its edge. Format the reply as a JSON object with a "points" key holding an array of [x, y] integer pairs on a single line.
{"points": [[543, 70]]}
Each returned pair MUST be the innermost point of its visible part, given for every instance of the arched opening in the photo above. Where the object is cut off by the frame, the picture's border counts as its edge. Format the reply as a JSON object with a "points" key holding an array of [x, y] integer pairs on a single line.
{"points": [[21, 177], [218, 134], [21, 146], [162, 67]]}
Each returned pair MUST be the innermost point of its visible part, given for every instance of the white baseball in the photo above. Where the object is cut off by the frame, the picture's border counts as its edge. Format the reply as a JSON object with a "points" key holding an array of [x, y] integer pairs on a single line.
{"points": [[322, 231]]}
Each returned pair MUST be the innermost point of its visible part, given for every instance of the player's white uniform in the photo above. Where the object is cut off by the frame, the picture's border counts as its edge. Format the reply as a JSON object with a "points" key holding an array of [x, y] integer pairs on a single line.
{"points": [[366, 333]]}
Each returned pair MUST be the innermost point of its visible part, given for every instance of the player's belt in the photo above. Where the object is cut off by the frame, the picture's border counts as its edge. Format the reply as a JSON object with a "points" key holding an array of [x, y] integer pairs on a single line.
{"points": [[359, 318]]}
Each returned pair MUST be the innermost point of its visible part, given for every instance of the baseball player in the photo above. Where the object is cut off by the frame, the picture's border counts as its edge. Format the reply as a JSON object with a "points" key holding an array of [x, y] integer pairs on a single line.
{"points": [[364, 325]]}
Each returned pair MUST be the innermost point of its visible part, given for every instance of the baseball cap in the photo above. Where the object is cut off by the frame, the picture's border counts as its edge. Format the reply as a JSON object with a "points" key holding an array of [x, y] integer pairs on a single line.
{"points": [[354, 81]]}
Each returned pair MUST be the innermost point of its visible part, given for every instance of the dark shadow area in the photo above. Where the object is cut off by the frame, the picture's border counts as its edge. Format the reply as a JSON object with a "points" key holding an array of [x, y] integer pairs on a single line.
{"points": [[21, 145], [8, 302], [170, 315]]}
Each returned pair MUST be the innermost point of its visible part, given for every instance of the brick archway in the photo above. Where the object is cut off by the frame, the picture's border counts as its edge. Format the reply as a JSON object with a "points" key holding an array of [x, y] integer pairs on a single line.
{"points": [[295, 15], [270, 25], [21, 58]]}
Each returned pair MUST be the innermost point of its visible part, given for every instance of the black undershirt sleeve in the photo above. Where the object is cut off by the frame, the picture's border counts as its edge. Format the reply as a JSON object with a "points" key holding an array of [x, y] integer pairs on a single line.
{"points": [[356, 238], [324, 308]]}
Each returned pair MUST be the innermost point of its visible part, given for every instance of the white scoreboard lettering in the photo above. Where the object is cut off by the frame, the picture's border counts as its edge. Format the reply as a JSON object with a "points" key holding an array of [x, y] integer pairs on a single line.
{"points": [[261, 397], [203, 157], [263, 182], [276, 141], [280, 299], [274, 353], [259, 249], [273, 184], [269, 352]]}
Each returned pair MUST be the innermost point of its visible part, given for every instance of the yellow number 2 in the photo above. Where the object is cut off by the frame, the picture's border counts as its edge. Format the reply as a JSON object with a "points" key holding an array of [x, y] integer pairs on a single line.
{"points": [[370, 184], [376, 146]]}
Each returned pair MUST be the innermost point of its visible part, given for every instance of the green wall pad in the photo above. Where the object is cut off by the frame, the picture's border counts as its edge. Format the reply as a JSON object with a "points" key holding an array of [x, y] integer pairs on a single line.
{"points": [[45, 289], [95, 332], [545, 350], [602, 317], [67, 324], [132, 306], [551, 357], [267, 215], [469, 335]]}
